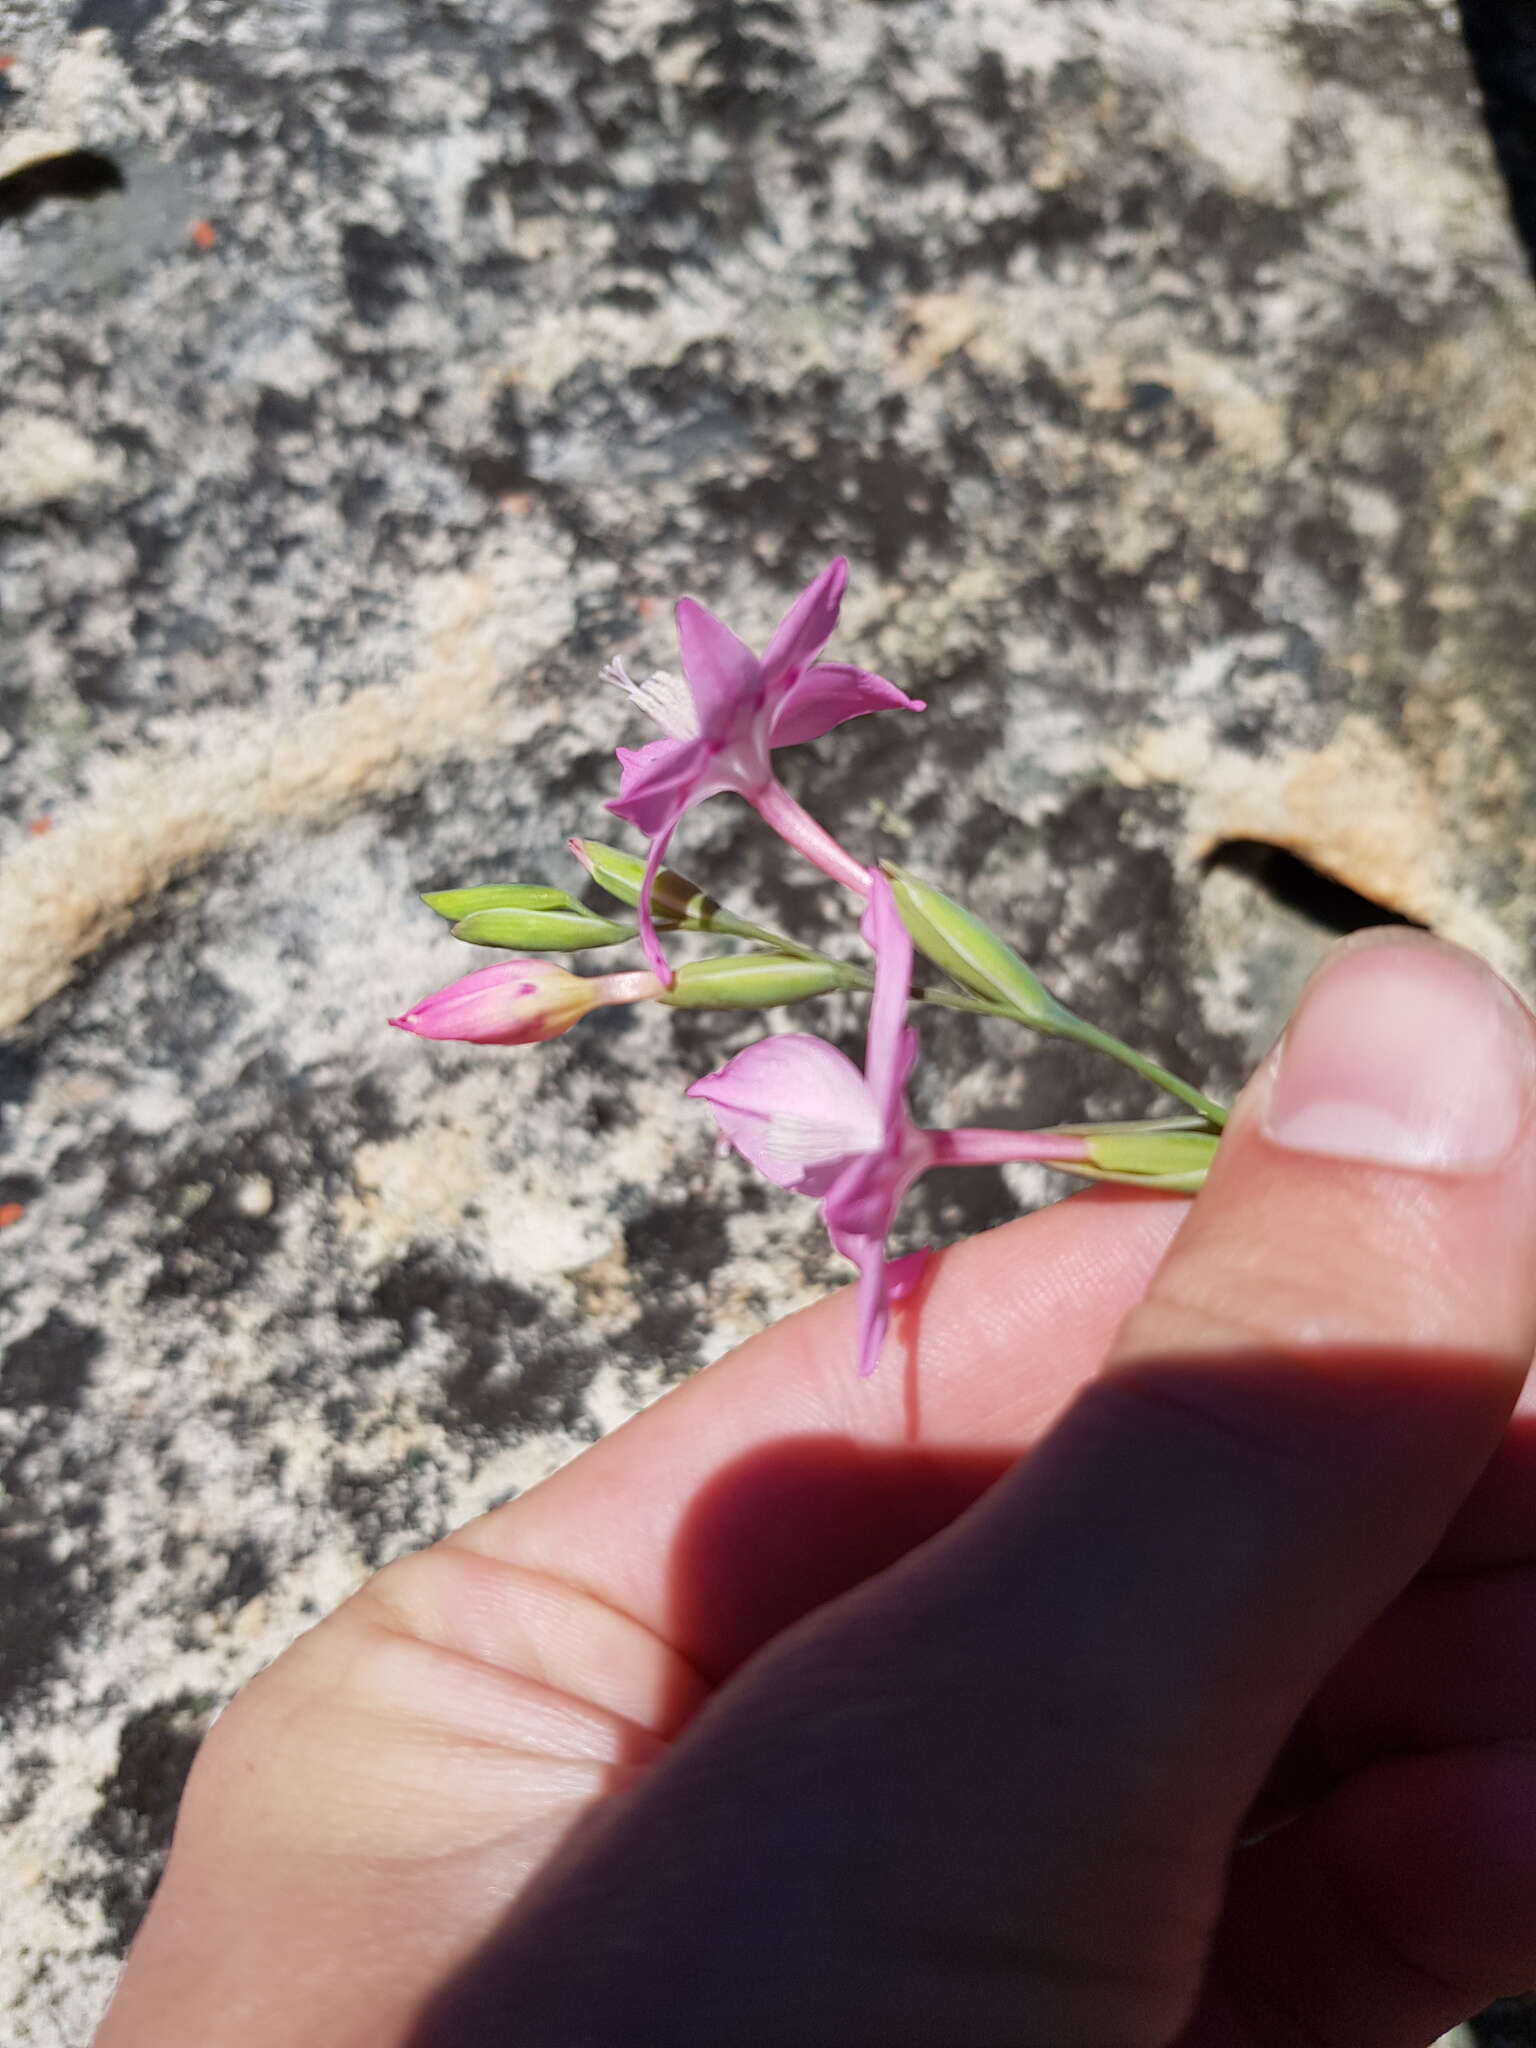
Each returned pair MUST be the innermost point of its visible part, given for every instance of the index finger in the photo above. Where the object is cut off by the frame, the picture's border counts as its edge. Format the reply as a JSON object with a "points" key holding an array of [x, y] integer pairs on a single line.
{"points": [[786, 1478]]}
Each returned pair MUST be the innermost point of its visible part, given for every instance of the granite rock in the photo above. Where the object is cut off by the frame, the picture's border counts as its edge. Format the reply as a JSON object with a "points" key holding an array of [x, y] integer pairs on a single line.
{"points": [[371, 373]]}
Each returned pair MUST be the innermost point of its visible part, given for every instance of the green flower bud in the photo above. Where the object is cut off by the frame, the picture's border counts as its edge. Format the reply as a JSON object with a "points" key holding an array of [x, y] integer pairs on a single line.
{"points": [[676, 903], [1150, 1158], [455, 904], [674, 899], [966, 948], [754, 981], [555, 930]]}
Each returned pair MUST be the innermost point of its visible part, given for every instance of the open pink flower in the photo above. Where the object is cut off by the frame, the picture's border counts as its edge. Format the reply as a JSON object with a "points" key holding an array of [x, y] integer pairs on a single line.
{"points": [[724, 716], [805, 1116]]}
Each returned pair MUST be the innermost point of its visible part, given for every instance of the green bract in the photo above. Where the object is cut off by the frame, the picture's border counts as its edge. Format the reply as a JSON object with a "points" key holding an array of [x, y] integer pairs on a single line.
{"points": [[1152, 1155], [978, 959], [674, 899], [676, 902], [455, 904], [541, 931], [753, 981]]}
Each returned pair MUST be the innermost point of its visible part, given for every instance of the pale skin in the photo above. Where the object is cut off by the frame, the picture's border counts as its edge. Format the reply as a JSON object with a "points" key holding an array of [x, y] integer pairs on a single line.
{"points": [[1142, 1657]]}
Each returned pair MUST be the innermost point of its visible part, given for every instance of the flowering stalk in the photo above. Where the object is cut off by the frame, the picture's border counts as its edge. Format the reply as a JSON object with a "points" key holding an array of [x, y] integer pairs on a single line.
{"points": [[794, 1106]]}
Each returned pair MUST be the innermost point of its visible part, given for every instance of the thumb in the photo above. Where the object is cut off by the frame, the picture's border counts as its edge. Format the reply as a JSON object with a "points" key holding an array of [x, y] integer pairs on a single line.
{"points": [[990, 1795], [1323, 1364]]}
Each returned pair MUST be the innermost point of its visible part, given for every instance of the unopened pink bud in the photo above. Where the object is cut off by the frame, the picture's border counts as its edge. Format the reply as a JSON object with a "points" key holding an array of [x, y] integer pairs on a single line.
{"points": [[516, 1002]]}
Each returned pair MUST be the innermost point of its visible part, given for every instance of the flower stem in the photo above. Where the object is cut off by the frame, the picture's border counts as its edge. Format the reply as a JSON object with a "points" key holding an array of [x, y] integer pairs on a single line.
{"points": [[1084, 1033], [778, 809], [1002, 1148], [1069, 1025]]}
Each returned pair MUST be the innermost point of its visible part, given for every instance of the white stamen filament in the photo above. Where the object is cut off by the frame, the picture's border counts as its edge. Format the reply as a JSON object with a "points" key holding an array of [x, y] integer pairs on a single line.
{"points": [[664, 697]]}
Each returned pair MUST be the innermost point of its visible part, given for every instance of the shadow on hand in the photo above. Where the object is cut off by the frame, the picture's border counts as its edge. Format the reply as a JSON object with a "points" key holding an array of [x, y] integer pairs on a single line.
{"points": [[794, 1524]]}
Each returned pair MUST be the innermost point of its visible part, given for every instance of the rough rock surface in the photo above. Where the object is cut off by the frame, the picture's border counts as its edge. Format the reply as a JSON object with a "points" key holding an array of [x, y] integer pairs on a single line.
{"points": [[370, 372]]}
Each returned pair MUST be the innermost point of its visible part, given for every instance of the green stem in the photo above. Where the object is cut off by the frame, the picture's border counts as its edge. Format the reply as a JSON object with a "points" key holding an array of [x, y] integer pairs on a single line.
{"points": [[1104, 1041], [1069, 1026], [947, 999]]}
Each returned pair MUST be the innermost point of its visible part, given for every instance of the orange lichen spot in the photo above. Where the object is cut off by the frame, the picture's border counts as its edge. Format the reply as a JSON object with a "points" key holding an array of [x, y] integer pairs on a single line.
{"points": [[6, 60], [10, 1212], [39, 828], [204, 234], [646, 607]]}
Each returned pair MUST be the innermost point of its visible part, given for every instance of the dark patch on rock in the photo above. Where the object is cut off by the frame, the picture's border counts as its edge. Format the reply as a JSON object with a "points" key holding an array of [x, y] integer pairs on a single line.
{"points": [[818, 492], [125, 18], [74, 174], [500, 1394], [513, 1366], [670, 1243], [50, 1367], [1331, 545], [43, 1607], [479, 1313], [377, 1508], [210, 1247], [954, 1202], [1245, 234], [1501, 40], [246, 1572], [674, 1251], [663, 1336], [279, 413], [503, 466], [374, 267], [29, 1773], [132, 1825], [1296, 885], [750, 64]]}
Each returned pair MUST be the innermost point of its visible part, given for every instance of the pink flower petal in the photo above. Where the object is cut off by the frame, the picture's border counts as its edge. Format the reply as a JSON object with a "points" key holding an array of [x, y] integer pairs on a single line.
{"points": [[874, 1304], [863, 1200], [904, 1276], [805, 628], [829, 695], [882, 1283], [722, 671], [657, 781], [889, 1048], [645, 916], [794, 1107]]}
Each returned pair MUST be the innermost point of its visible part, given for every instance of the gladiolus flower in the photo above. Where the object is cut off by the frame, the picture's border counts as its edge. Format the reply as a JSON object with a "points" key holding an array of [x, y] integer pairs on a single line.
{"points": [[803, 1114], [520, 1002], [724, 716]]}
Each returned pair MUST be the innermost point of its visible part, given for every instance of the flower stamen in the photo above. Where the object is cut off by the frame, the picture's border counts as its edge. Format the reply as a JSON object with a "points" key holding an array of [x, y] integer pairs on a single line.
{"points": [[663, 697]]}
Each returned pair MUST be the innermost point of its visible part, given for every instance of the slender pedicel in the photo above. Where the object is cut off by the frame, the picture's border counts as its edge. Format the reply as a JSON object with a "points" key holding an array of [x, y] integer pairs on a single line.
{"points": [[797, 828]]}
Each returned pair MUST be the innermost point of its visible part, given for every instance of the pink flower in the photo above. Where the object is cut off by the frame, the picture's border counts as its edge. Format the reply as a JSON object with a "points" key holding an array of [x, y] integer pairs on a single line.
{"points": [[805, 1116], [519, 1002], [724, 716]]}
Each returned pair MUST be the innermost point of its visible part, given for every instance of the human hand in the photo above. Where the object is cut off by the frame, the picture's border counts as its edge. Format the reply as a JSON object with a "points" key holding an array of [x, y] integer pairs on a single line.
{"points": [[1013, 1696]]}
